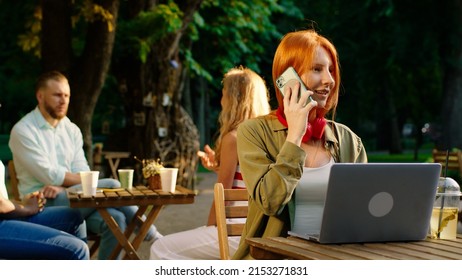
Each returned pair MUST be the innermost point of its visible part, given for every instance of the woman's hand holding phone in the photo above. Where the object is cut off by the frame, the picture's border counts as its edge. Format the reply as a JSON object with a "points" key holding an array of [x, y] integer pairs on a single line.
{"points": [[297, 105], [288, 80]]}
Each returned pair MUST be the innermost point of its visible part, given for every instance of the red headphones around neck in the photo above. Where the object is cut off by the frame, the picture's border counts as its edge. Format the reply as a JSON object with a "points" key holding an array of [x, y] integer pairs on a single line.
{"points": [[314, 129]]}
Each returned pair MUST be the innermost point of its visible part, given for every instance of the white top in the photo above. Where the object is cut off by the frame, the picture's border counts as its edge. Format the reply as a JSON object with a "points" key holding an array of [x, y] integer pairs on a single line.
{"points": [[310, 196], [3, 191]]}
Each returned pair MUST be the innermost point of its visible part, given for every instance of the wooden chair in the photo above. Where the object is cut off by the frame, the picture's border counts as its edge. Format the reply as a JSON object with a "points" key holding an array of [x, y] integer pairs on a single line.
{"points": [[225, 209], [16, 196], [454, 160]]}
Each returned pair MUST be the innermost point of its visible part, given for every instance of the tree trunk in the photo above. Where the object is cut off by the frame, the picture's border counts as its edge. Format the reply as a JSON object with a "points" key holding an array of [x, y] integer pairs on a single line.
{"points": [[451, 113], [202, 108], [395, 136], [88, 72], [56, 49], [158, 127], [388, 135]]}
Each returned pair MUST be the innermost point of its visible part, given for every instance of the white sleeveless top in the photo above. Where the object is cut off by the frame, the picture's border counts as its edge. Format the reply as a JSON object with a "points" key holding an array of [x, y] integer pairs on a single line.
{"points": [[3, 191], [310, 195]]}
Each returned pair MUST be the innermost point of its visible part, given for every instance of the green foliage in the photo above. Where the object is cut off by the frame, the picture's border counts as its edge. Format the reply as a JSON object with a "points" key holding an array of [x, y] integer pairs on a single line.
{"points": [[237, 32], [94, 12], [17, 69], [30, 40], [423, 156], [137, 35], [195, 67]]}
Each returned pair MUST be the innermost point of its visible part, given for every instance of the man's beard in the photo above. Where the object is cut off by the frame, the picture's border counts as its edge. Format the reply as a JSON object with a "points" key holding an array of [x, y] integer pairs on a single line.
{"points": [[53, 113]]}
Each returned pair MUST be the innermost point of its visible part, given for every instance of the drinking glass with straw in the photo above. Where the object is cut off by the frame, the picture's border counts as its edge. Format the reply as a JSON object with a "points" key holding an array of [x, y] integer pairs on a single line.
{"points": [[443, 196]]}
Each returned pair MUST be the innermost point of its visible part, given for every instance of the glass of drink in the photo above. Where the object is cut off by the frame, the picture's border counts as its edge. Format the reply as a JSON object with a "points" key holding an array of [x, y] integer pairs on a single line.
{"points": [[443, 223]]}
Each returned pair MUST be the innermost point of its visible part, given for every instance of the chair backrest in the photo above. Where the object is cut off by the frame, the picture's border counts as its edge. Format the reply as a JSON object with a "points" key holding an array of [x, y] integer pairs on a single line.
{"points": [[226, 208], [13, 181], [454, 160]]}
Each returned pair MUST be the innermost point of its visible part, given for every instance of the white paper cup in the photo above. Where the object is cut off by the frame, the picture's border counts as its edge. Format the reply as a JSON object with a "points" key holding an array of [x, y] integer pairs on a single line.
{"points": [[89, 182], [168, 179], [126, 178]]}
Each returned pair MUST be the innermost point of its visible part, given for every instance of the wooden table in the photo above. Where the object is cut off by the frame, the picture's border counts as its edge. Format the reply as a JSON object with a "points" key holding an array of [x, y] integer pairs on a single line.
{"points": [[297, 248], [150, 202], [114, 159]]}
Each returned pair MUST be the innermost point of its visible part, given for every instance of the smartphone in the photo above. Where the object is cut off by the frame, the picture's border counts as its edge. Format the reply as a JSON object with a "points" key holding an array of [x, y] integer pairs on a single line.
{"points": [[288, 78]]}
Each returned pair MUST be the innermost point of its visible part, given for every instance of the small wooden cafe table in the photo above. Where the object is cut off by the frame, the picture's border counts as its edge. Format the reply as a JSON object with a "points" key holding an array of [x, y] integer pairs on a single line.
{"points": [[150, 202], [297, 248]]}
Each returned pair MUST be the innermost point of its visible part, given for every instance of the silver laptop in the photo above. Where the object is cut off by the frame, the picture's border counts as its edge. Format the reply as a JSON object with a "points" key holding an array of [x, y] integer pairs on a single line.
{"points": [[377, 202]]}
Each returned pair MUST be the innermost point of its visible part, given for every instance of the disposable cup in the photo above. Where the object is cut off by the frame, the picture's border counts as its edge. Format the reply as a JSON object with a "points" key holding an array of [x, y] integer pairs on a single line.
{"points": [[126, 178], [168, 178], [89, 182], [443, 223]]}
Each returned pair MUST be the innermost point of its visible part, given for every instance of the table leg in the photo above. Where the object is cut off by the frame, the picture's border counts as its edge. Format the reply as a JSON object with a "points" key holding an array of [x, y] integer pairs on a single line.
{"points": [[137, 219], [151, 217], [131, 252]]}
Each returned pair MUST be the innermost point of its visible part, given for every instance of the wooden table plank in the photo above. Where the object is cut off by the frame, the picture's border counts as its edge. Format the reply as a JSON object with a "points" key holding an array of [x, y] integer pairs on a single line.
{"points": [[334, 251], [279, 249], [360, 252], [297, 248], [143, 196], [338, 249], [400, 252], [456, 243], [433, 253]]}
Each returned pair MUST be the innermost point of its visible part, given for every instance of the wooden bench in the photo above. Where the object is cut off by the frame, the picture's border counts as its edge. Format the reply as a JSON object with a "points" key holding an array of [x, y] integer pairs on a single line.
{"points": [[454, 160]]}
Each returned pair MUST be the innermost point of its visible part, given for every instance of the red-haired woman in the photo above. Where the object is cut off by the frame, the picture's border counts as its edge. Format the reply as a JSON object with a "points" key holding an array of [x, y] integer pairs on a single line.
{"points": [[292, 149]]}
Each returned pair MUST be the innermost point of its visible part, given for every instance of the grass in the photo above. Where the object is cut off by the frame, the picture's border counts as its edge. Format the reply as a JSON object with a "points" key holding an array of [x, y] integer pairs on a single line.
{"points": [[405, 157], [423, 156]]}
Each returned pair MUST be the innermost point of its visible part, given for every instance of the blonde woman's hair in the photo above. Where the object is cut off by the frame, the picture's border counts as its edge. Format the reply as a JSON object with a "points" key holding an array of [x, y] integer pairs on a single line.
{"points": [[246, 97]]}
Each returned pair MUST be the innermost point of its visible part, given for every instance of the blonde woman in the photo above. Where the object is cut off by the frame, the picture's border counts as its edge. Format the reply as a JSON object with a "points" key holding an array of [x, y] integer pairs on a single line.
{"points": [[244, 96]]}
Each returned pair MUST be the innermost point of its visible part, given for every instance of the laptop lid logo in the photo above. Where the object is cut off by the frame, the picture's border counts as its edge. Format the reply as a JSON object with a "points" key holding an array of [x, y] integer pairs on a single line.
{"points": [[380, 204]]}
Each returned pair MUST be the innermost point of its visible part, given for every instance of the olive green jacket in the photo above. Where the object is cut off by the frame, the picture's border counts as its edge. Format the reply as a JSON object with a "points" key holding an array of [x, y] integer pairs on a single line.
{"points": [[272, 167]]}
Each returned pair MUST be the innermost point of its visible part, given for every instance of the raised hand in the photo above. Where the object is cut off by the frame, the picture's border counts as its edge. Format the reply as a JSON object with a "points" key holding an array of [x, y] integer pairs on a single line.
{"points": [[208, 158], [296, 112]]}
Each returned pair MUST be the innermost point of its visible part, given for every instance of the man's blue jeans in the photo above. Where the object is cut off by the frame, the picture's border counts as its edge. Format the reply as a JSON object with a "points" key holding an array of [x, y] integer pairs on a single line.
{"points": [[51, 234], [96, 224]]}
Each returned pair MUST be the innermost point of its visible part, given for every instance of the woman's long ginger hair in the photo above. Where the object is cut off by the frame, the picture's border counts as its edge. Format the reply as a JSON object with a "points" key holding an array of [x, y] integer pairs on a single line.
{"points": [[246, 96]]}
